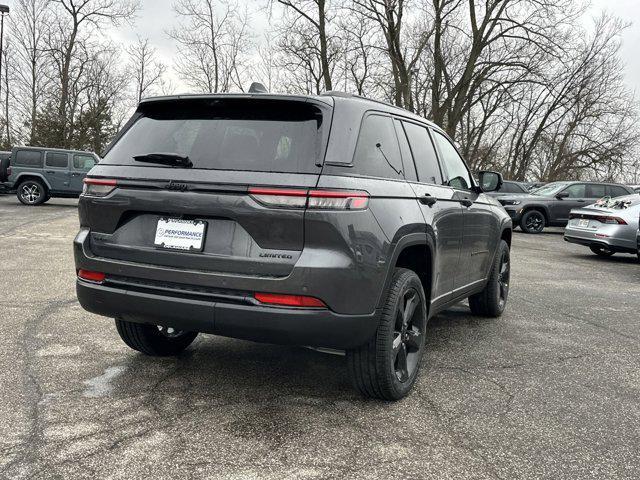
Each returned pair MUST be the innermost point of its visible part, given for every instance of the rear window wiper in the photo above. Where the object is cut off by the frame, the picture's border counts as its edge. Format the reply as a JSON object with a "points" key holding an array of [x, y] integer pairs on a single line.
{"points": [[170, 159]]}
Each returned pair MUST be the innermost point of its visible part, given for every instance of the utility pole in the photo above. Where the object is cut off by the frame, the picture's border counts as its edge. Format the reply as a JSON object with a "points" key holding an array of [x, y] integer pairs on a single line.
{"points": [[4, 10]]}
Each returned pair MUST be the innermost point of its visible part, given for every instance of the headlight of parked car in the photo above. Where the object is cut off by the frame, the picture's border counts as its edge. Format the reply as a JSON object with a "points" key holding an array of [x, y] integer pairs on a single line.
{"points": [[510, 202]]}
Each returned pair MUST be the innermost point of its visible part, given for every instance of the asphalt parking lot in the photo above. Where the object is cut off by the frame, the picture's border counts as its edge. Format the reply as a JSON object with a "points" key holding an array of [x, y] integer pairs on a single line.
{"points": [[552, 389]]}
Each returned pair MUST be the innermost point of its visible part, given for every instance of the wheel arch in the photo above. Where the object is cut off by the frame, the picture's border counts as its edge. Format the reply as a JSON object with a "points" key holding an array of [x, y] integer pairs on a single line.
{"points": [[409, 252], [22, 177], [540, 208]]}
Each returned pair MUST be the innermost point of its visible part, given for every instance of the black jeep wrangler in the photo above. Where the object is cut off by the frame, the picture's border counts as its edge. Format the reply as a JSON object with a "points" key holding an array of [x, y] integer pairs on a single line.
{"points": [[327, 221]]}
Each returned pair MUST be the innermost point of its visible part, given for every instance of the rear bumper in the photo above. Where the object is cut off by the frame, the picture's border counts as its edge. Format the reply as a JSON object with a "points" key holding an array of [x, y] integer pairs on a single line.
{"points": [[298, 326], [617, 238], [607, 243]]}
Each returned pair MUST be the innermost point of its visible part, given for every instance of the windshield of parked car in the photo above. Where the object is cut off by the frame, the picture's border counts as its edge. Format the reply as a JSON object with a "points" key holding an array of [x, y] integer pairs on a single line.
{"points": [[550, 189], [229, 134]]}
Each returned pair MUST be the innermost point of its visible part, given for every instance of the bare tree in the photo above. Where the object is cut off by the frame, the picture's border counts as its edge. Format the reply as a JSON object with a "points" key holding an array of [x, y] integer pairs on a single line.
{"points": [[28, 32], [213, 43], [68, 41], [403, 55], [316, 14], [147, 69]]}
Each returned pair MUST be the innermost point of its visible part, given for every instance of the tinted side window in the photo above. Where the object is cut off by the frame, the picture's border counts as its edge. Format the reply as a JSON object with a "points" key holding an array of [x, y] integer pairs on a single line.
{"points": [[577, 190], [456, 169], [407, 159], [424, 153], [509, 187], [596, 191], [53, 159], [83, 162], [377, 151], [28, 158], [615, 191]]}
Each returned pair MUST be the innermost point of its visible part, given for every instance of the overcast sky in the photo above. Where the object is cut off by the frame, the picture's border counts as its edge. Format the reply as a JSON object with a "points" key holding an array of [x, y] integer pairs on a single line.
{"points": [[157, 16]]}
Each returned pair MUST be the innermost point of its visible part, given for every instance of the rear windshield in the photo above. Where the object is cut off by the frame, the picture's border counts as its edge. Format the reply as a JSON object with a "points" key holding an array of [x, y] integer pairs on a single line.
{"points": [[229, 134]]}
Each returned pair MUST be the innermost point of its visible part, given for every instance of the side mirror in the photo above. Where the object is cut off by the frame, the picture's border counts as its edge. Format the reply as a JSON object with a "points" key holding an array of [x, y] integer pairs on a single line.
{"points": [[490, 181], [562, 195]]}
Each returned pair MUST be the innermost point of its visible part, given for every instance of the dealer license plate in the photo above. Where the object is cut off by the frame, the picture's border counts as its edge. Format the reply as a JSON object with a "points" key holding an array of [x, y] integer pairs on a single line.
{"points": [[180, 234], [584, 223]]}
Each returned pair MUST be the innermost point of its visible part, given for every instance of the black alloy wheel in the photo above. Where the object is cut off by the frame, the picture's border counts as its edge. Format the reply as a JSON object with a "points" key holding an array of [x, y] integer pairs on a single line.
{"points": [[387, 366], [407, 335], [532, 222], [492, 300], [504, 276]]}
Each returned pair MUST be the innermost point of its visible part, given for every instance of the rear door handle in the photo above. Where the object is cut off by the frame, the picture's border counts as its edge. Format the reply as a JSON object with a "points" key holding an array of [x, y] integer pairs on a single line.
{"points": [[50, 171], [428, 200]]}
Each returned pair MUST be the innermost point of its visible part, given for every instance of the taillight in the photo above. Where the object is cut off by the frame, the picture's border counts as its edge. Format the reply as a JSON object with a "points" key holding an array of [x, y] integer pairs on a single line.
{"points": [[314, 199], [8, 171], [98, 187], [601, 218], [611, 220], [279, 197], [338, 200], [96, 277], [289, 300]]}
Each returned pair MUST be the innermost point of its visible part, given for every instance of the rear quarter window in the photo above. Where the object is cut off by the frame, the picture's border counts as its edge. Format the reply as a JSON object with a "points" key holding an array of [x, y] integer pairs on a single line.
{"points": [[617, 191], [377, 152], [269, 136], [27, 158]]}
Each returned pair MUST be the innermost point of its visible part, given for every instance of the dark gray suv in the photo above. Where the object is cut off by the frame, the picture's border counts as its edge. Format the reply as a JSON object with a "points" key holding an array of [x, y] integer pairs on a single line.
{"points": [[329, 221], [550, 205]]}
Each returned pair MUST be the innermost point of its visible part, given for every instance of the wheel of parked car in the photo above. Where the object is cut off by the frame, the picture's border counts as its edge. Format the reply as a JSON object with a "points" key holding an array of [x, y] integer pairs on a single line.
{"points": [[491, 301], [601, 251], [32, 192], [532, 222], [154, 340], [387, 366]]}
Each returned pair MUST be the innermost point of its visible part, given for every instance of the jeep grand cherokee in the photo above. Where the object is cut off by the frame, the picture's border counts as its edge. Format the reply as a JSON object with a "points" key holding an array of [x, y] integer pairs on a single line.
{"points": [[329, 221]]}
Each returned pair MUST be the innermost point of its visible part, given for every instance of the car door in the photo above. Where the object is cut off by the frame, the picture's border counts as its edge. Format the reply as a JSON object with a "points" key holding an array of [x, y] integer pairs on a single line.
{"points": [[576, 197], [481, 226], [56, 170], [82, 163], [443, 214]]}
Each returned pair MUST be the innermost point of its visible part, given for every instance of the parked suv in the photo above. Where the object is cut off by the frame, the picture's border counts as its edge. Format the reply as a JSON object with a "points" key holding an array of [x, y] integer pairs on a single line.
{"points": [[37, 174], [329, 221], [509, 188], [549, 206]]}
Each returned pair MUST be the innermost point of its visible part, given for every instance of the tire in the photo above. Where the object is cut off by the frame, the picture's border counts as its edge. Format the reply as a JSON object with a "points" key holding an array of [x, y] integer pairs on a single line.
{"points": [[532, 221], [154, 340], [601, 251], [387, 366], [32, 192], [492, 301]]}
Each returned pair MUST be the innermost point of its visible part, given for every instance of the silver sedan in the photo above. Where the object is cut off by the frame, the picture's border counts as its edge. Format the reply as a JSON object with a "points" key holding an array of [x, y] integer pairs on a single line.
{"points": [[606, 227]]}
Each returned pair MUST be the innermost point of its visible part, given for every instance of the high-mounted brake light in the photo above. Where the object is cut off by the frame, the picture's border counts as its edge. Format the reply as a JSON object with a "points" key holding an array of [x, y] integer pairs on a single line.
{"points": [[96, 277], [313, 199], [98, 187], [289, 300]]}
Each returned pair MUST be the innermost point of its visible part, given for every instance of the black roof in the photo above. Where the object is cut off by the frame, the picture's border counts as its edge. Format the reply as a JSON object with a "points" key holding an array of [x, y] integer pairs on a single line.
{"points": [[330, 98]]}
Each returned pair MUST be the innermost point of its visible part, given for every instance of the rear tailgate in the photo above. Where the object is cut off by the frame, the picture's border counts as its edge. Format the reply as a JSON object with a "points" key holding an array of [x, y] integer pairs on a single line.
{"points": [[242, 236]]}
